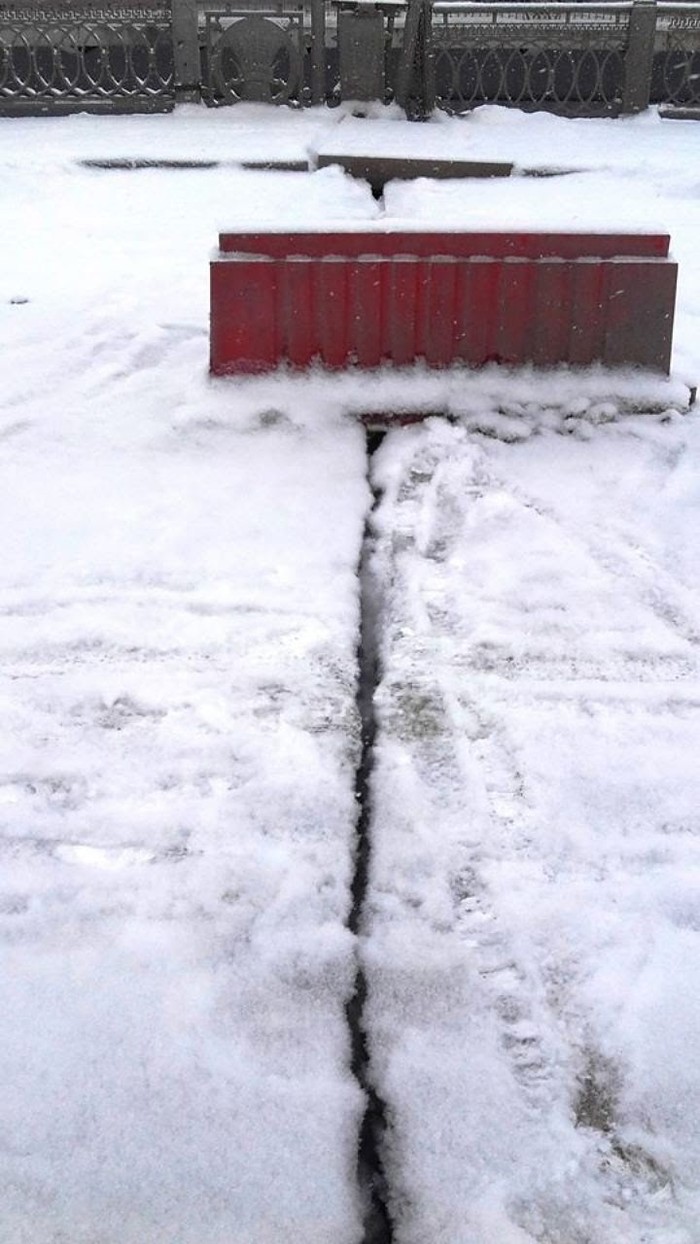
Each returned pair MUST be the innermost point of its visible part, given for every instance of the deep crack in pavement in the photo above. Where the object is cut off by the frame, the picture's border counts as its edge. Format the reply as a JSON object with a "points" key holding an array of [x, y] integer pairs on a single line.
{"points": [[378, 1227]]}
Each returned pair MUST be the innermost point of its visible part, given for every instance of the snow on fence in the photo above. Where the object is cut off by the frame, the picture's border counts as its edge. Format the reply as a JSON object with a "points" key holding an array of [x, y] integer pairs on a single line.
{"points": [[577, 59]]}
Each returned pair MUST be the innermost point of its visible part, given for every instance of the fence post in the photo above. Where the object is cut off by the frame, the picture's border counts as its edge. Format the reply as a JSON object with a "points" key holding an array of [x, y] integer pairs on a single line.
{"points": [[415, 79], [318, 51], [639, 57], [186, 60], [361, 52]]}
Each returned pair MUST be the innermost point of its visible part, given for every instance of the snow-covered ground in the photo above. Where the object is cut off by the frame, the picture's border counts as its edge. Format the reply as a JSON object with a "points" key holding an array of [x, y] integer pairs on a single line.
{"points": [[179, 621], [535, 907]]}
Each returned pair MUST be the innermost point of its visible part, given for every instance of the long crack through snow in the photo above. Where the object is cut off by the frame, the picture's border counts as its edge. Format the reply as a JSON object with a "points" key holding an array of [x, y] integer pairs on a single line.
{"points": [[370, 1172]]}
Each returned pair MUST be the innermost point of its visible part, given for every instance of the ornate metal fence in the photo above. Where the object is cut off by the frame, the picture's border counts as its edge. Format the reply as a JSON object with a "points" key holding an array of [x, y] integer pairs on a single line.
{"points": [[577, 58], [676, 71], [254, 55], [569, 58], [64, 59]]}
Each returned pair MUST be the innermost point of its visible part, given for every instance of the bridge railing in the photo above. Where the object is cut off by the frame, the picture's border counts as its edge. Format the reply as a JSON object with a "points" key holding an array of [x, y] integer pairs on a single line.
{"points": [[578, 59], [63, 58]]}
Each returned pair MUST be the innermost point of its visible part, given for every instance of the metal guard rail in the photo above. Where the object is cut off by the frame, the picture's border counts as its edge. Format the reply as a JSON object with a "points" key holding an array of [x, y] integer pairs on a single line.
{"points": [[575, 58]]}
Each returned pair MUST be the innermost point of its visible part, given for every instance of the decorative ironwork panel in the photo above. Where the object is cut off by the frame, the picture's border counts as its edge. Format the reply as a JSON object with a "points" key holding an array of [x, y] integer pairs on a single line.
{"points": [[255, 55], [571, 81], [554, 25], [678, 25], [677, 61], [75, 56], [568, 58]]}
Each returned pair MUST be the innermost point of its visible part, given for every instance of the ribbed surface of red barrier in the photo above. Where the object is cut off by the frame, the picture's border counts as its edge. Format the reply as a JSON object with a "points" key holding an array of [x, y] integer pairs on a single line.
{"points": [[366, 298]]}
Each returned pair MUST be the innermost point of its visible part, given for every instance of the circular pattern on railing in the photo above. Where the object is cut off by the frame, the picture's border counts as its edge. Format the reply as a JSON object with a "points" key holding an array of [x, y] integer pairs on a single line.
{"points": [[255, 59], [586, 78], [83, 60], [681, 77]]}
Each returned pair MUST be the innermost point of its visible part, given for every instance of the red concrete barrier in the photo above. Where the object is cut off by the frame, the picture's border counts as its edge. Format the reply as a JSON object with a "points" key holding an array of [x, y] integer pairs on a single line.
{"points": [[364, 297]]}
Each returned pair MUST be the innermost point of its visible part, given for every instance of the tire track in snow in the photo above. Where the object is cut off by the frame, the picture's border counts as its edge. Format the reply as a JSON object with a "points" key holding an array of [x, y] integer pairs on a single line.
{"points": [[449, 760], [513, 986]]}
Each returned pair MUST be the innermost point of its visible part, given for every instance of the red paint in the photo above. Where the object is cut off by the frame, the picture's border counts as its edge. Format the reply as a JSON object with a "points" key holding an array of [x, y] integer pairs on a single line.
{"points": [[367, 298], [460, 244]]}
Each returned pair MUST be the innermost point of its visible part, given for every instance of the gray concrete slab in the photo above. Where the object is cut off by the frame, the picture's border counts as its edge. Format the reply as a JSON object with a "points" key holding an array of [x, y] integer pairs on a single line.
{"points": [[379, 169], [276, 166], [680, 112]]}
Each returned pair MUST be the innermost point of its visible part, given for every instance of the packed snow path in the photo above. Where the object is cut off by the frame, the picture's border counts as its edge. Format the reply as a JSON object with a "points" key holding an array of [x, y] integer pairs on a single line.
{"points": [[532, 918], [180, 620]]}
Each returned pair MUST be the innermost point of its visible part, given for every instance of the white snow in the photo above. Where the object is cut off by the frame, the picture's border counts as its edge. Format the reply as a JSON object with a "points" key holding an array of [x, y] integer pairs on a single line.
{"points": [[178, 763], [179, 621], [178, 629], [532, 928], [535, 141]]}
